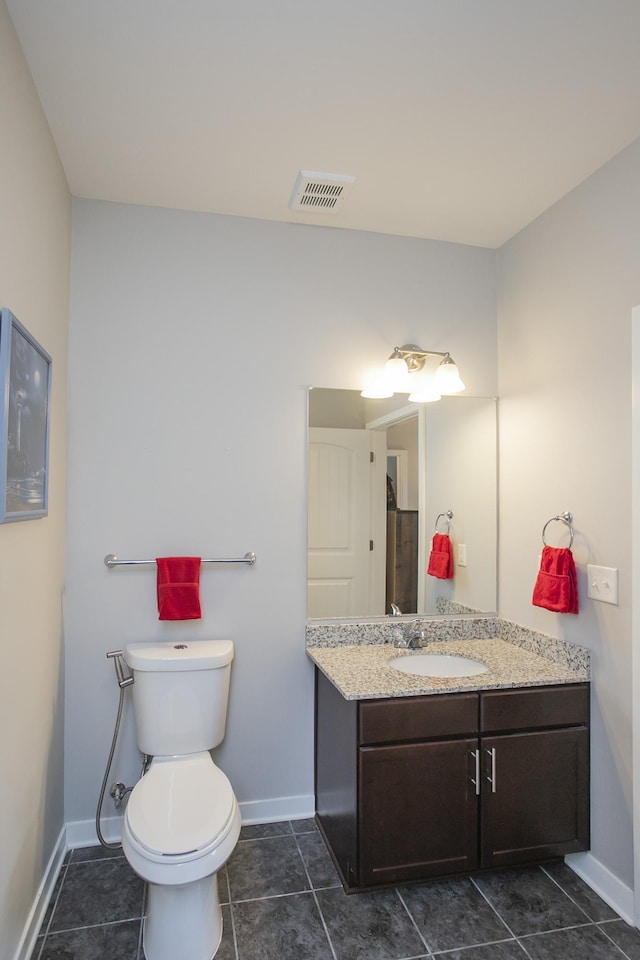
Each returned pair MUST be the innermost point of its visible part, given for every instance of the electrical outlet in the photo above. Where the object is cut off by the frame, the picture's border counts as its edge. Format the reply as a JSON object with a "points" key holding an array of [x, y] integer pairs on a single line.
{"points": [[602, 583], [462, 554]]}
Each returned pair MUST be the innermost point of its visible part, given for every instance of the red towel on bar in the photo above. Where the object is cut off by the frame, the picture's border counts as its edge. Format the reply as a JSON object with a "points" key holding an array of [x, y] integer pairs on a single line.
{"points": [[178, 588], [441, 557], [556, 586]]}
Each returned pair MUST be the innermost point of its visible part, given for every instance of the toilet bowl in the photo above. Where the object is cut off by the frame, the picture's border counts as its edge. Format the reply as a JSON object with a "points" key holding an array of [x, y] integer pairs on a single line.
{"points": [[180, 827], [182, 820]]}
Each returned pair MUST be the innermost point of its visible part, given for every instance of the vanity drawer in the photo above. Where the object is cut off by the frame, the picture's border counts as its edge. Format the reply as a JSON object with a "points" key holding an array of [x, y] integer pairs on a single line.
{"points": [[534, 708], [417, 718]]}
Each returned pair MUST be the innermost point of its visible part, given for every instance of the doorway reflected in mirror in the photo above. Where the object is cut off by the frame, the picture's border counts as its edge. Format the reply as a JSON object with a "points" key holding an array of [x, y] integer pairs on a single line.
{"points": [[380, 472]]}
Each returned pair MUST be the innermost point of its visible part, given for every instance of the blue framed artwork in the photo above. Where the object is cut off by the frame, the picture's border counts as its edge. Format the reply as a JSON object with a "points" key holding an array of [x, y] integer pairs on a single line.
{"points": [[25, 392]]}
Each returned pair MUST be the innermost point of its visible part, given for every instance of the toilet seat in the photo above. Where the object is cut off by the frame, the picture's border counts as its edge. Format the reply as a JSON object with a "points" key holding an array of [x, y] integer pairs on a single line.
{"points": [[181, 810]]}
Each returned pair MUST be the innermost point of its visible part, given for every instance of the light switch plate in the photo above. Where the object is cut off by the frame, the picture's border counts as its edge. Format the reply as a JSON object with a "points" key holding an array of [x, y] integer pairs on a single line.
{"points": [[462, 554], [602, 583]]}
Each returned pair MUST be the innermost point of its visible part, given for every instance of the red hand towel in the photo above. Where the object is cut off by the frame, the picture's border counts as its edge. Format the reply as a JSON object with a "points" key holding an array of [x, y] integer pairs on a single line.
{"points": [[441, 557], [178, 588], [556, 584]]}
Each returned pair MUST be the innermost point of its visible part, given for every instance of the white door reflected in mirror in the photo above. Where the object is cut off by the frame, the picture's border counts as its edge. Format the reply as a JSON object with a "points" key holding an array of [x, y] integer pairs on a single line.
{"points": [[369, 542]]}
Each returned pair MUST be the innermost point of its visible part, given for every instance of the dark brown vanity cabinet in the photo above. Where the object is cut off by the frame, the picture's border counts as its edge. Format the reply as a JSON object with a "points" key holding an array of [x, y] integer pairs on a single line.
{"points": [[419, 787]]}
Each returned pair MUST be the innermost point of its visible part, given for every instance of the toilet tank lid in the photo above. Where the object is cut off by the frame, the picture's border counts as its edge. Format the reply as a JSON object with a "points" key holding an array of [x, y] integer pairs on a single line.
{"points": [[187, 655]]}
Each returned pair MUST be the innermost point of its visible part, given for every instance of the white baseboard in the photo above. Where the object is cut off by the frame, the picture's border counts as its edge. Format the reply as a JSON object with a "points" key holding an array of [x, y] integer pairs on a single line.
{"points": [[82, 833], [41, 902], [278, 808], [612, 890]]}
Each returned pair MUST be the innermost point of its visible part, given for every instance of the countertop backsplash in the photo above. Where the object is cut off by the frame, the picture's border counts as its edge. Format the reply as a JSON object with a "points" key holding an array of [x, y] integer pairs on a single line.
{"points": [[337, 633], [572, 661]]}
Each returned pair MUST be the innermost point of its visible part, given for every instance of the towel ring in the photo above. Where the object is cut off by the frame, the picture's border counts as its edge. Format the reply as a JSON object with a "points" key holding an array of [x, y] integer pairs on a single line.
{"points": [[567, 519], [448, 515]]}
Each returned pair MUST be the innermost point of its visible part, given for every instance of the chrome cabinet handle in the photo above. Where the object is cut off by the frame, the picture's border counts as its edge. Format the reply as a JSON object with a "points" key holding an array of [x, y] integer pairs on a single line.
{"points": [[476, 755], [492, 778]]}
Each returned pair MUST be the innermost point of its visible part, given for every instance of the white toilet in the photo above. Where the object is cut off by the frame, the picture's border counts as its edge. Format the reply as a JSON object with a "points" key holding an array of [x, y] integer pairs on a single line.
{"points": [[182, 820]]}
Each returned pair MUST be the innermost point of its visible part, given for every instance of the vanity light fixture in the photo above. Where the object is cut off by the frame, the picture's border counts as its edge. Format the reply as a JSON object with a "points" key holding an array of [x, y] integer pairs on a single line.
{"points": [[404, 372]]}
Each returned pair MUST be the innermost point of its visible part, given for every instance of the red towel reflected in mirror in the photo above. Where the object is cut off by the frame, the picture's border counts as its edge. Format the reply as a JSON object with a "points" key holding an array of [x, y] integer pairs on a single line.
{"points": [[441, 557]]}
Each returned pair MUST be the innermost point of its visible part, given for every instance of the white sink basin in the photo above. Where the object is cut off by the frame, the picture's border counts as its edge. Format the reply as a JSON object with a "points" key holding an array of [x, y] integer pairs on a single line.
{"points": [[438, 665]]}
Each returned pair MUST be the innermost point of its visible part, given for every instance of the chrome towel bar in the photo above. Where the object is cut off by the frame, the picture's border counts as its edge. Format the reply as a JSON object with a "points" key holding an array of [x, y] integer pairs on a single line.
{"points": [[112, 561]]}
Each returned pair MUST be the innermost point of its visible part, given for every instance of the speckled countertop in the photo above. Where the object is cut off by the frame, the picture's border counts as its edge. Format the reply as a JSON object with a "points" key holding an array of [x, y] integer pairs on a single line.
{"points": [[362, 672]]}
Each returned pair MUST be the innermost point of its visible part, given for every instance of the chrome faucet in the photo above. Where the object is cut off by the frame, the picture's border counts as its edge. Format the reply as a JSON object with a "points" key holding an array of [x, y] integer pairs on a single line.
{"points": [[413, 637]]}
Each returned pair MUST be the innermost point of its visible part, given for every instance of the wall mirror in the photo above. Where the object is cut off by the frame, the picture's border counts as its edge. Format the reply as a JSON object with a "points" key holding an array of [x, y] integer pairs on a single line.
{"points": [[381, 474]]}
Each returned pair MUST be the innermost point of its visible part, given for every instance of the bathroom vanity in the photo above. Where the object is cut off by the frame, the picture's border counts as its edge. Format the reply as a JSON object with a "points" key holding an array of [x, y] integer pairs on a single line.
{"points": [[416, 785]]}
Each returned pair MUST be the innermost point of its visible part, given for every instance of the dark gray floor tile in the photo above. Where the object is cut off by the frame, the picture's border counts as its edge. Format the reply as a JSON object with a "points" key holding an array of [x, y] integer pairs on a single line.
{"points": [[528, 901], [453, 913], [115, 941], [256, 831], [98, 892], [318, 862], [98, 852], [266, 868], [509, 950], [579, 943], [223, 885], [577, 889], [97, 903], [369, 926], [280, 928], [304, 826], [37, 947], [227, 949], [53, 900], [627, 938]]}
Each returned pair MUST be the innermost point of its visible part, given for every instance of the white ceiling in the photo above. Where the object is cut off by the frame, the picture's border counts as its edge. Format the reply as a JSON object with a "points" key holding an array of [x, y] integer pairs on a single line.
{"points": [[461, 120]]}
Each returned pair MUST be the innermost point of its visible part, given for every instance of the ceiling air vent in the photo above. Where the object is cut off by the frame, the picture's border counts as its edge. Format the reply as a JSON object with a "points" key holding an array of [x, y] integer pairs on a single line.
{"points": [[324, 192]]}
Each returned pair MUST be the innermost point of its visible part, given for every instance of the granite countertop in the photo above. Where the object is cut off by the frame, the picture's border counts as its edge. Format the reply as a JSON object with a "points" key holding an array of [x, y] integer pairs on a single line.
{"points": [[361, 672]]}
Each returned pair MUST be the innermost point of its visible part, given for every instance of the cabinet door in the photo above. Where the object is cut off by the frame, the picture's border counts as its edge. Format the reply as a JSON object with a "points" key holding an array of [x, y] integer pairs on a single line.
{"points": [[418, 810], [535, 796]]}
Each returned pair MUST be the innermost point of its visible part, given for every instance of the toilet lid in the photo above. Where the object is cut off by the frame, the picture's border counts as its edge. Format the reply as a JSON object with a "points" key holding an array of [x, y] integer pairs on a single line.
{"points": [[180, 806]]}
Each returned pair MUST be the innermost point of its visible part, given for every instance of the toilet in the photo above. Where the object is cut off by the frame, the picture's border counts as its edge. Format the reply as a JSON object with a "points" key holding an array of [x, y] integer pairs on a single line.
{"points": [[182, 820]]}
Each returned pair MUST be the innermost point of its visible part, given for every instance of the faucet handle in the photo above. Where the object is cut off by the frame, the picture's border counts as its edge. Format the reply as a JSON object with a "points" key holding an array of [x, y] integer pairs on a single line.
{"points": [[400, 639], [416, 633]]}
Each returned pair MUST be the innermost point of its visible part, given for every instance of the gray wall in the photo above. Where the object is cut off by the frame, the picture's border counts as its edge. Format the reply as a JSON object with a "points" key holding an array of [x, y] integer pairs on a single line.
{"points": [[567, 285], [35, 210], [193, 340]]}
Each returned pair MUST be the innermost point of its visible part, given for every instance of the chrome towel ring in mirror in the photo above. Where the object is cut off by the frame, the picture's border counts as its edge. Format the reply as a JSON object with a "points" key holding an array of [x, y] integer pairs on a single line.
{"points": [[566, 518]]}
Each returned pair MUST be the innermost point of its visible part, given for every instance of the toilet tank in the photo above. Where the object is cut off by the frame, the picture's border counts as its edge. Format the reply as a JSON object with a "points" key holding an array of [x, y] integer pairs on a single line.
{"points": [[180, 694]]}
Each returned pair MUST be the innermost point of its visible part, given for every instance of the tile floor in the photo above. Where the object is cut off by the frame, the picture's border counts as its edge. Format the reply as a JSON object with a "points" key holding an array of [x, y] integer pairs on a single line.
{"points": [[282, 901]]}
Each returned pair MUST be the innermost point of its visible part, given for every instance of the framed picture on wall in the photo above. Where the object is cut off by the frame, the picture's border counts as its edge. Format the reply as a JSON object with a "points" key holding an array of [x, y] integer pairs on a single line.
{"points": [[25, 391]]}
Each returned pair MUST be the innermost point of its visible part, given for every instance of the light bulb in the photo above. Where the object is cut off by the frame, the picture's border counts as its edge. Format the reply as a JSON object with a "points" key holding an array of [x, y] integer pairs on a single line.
{"points": [[396, 374], [376, 387], [424, 389], [447, 377]]}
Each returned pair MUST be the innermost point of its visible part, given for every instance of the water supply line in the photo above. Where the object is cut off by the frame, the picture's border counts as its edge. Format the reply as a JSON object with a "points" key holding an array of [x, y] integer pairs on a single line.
{"points": [[118, 790]]}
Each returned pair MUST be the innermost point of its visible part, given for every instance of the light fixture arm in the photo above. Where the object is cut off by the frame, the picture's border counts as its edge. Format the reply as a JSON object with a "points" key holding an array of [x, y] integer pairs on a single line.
{"points": [[415, 356]]}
